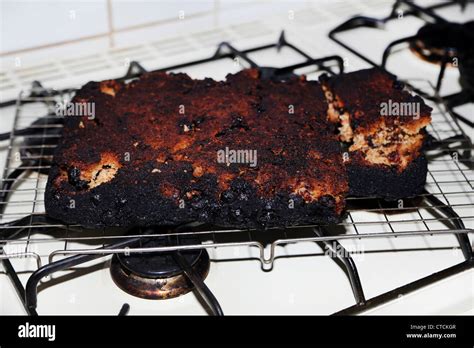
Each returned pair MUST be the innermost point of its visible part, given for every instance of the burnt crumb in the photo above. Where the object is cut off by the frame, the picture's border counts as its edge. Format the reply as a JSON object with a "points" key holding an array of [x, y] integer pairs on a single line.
{"points": [[97, 121], [227, 196], [221, 133], [259, 107], [185, 125], [327, 201], [200, 203], [198, 121], [278, 160], [74, 178], [95, 199], [243, 196], [208, 82], [238, 122], [268, 206], [397, 84], [97, 174], [370, 140]]}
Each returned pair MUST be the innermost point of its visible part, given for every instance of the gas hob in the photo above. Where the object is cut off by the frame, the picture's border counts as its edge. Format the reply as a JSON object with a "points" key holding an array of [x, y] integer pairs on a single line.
{"points": [[384, 249]]}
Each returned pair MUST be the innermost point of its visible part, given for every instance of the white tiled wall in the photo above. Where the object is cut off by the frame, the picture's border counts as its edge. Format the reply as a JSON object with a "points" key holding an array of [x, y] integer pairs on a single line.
{"points": [[32, 23], [35, 23], [131, 13], [77, 46]]}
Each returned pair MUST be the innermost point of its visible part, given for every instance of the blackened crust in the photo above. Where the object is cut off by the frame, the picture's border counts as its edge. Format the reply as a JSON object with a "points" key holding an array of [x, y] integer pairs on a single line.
{"points": [[124, 206], [387, 182]]}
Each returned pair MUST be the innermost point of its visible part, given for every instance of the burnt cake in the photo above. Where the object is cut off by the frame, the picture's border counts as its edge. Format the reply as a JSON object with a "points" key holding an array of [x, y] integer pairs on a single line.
{"points": [[166, 149], [383, 127]]}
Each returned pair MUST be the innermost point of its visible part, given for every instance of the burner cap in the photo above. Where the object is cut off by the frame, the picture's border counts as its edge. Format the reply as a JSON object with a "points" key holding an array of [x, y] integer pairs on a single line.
{"points": [[435, 40], [158, 265], [157, 275]]}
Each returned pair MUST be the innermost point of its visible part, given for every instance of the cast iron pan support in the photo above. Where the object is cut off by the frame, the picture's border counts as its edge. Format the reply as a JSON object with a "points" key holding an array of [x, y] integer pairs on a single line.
{"points": [[347, 263], [458, 99], [463, 238], [31, 293], [17, 284], [199, 284], [406, 289], [466, 248], [388, 49], [225, 46]]}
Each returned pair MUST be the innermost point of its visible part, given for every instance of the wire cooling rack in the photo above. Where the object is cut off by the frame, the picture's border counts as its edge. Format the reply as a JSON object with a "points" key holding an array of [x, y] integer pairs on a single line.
{"points": [[445, 208]]}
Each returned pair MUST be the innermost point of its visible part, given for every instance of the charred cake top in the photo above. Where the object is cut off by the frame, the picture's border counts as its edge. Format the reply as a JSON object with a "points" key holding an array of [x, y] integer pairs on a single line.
{"points": [[381, 121], [373, 96], [177, 134]]}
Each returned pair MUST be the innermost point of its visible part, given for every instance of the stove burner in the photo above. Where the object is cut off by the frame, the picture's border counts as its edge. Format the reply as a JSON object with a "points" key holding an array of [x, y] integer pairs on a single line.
{"points": [[157, 275], [435, 41]]}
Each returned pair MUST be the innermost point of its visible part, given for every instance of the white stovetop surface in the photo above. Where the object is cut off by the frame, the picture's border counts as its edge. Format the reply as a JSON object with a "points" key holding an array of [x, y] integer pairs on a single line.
{"points": [[309, 282]]}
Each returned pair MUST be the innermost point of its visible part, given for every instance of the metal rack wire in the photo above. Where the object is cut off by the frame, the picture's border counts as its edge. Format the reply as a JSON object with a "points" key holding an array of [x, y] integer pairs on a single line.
{"points": [[446, 207]]}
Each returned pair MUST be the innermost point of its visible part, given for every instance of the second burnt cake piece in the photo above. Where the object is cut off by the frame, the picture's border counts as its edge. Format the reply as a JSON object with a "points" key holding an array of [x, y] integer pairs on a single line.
{"points": [[383, 126]]}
